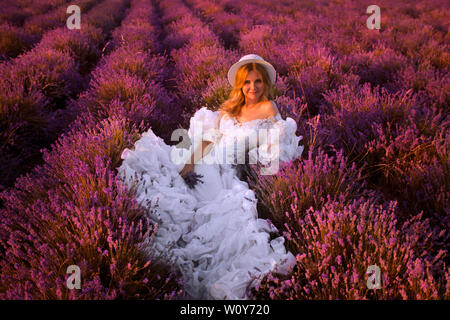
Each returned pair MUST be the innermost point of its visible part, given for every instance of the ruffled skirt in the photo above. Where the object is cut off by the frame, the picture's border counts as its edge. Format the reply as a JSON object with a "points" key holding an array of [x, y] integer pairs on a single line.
{"points": [[212, 233]]}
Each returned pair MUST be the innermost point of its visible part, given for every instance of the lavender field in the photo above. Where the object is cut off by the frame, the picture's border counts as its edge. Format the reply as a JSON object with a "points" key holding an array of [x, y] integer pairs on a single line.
{"points": [[371, 187]]}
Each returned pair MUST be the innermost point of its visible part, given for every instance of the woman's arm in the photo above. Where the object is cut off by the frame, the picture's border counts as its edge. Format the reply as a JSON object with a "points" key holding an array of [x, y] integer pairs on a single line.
{"points": [[199, 152], [201, 116], [204, 145], [196, 156]]}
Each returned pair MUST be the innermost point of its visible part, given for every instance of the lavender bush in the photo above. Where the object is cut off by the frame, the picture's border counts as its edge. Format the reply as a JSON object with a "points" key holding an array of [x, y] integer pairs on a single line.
{"points": [[75, 210], [44, 16], [336, 244], [57, 67]]}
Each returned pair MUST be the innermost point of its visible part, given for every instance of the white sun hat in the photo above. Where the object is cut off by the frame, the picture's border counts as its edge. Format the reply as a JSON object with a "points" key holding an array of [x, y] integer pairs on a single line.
{"points": [[249, 58]]}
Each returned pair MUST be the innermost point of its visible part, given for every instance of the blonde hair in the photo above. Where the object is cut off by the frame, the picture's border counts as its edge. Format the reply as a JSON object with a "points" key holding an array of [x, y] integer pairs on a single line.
{"points": [[233, 105]]}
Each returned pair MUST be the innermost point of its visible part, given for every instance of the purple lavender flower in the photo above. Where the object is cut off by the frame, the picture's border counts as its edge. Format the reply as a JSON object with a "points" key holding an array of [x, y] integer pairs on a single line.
{"points": [[192, 178]]}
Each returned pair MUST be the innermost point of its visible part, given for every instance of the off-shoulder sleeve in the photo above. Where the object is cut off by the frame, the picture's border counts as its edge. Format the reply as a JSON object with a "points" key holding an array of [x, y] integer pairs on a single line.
{"points": [[280, 143], [204, 126]]}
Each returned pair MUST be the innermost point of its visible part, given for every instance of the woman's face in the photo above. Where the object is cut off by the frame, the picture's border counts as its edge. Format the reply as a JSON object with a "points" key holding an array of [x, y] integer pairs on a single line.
{"points": [[253, 88]]}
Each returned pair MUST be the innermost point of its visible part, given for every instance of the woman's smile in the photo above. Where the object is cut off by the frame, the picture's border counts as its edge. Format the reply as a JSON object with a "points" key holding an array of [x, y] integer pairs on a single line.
{"points": [[253, 87]]}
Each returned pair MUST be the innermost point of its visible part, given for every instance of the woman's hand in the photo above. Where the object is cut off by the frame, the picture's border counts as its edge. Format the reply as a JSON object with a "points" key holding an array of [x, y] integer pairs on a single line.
{"points": [[188, 167], [189, 176]]}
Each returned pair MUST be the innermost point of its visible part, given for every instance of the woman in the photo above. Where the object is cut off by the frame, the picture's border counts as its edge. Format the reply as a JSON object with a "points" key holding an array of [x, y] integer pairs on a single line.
{"points": [[210, 229]]}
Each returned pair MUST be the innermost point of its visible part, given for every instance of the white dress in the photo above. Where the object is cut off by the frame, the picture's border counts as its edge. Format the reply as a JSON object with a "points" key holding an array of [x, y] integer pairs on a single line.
{"points": [[212, 233]]}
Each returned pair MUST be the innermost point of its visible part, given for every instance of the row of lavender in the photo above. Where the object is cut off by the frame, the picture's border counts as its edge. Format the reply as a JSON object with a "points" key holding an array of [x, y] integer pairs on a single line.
{"points": [[72, 210], [36, 87], [372, 189], [17, 39], [17, 12]]}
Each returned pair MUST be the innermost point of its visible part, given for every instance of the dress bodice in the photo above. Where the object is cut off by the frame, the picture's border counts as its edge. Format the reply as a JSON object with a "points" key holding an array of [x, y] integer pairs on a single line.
{"points": [[239, 138], [227, 123], [258, 140]]}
